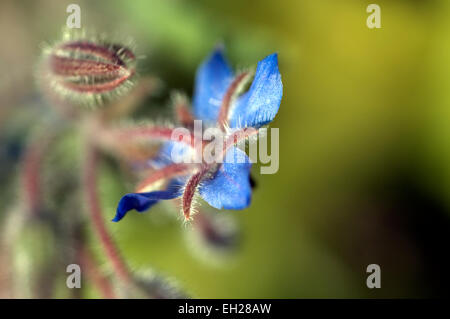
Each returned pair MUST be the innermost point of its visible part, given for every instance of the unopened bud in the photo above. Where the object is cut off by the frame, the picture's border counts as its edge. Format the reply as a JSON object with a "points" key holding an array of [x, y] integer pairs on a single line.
{"points": [[85, 72], [214, 238]]}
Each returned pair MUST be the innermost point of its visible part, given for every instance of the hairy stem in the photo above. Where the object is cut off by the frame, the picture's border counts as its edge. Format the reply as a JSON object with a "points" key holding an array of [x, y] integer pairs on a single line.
{"points": [[94, 274], [165, 173], [31, 174], [153, 132], [234, 139], [228, 97], [182, 112], [90, 189], [189, 192]]}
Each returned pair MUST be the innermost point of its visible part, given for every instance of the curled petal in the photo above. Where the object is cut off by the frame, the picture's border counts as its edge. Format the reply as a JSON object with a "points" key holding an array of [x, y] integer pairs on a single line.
{"points": [[212, 80], [260, 104], [230, 187], [143, 201]]}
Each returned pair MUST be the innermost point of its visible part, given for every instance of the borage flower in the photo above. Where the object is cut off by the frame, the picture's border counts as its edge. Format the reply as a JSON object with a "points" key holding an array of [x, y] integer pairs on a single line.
{"points": [[216, 101]]}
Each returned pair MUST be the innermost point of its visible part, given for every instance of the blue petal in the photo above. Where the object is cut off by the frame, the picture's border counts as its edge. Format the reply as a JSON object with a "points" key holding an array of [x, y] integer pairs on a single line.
{"points": [[212, 80], [260, 104], [230, 187], [143, 201]]}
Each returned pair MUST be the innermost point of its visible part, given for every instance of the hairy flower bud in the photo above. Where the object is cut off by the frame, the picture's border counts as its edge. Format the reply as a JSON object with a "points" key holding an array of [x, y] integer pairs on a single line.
{"points": [[88, 72]]}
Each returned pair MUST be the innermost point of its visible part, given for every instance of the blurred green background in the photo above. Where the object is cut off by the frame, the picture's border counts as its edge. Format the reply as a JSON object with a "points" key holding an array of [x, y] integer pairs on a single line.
{"points": [[364, 138]]}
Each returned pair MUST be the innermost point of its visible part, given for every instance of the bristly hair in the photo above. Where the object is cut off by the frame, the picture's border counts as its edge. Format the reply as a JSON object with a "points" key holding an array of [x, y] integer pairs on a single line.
{"points": [[87, 70]]}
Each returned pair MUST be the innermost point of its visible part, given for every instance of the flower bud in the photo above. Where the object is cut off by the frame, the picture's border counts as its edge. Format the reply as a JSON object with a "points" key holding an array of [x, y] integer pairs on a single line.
{"points": [[214, 238], [87, 72]]}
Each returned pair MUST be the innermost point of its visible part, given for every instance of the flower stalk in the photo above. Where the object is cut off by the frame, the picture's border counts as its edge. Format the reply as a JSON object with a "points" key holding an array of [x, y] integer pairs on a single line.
{"points": [[92, 200]]}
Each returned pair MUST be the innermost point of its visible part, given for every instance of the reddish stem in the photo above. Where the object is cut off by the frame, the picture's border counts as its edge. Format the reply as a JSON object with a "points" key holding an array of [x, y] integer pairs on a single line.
{"points": [[226, 101], [183, 114], [95, 275], [189, 192], [90, 188], [166, 172], [31, 173], [154, 132], [234, 139]]}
